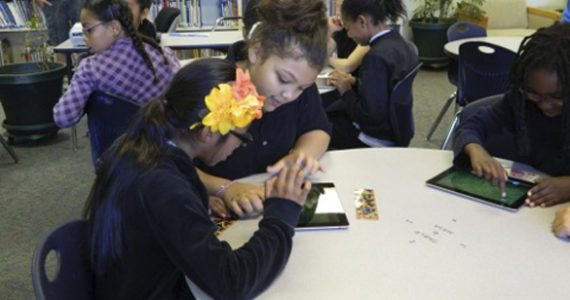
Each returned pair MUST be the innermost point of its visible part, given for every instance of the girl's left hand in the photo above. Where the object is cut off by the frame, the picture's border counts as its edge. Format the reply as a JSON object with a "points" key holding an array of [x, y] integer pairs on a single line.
{"points": [[306, 162], [549, 192], [561, 224], [218, 207], [342, 81]]}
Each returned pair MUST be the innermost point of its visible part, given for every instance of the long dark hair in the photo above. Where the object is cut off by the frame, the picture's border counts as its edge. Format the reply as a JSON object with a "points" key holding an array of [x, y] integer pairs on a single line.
{"points": [[288, 25], [379, 10], [109, 10], [142, 148], [547, 49]]}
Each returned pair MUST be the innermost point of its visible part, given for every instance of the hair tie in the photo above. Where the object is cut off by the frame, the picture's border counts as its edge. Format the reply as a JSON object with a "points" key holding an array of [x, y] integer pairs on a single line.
{"points": [[250, 34]]}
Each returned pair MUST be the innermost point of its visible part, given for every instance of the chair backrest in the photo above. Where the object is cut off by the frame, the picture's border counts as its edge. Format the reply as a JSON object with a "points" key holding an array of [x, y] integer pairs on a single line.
{"points": [[108, 116], [74, 278], [401, 101], [463, 30], [165, 19], [483, 71]]}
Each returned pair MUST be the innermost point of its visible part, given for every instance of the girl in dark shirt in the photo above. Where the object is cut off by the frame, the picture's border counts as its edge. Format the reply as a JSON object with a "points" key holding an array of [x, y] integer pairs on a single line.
{"points": [[149, 226], [140, 9], [536, 109], [285, 52]]}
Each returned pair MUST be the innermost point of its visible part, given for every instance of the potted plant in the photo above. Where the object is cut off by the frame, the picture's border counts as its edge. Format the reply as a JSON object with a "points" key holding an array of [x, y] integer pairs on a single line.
{"points": [[28, 91], [430, 22]]}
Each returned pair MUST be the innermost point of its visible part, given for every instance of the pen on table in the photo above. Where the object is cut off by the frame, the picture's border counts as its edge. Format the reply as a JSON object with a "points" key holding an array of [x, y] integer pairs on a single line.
{"points": [[190, 34]]}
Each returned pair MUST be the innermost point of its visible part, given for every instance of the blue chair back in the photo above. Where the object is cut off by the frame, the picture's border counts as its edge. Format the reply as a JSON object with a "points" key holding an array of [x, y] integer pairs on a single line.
{"points": [[401, 101], [108, 116], [165, 19], [74, 278], [463, 30], [483, 71]]}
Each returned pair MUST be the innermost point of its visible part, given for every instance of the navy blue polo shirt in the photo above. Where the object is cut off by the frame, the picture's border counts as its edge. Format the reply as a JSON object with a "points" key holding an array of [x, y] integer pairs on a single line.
{"points": [[274, 135]]}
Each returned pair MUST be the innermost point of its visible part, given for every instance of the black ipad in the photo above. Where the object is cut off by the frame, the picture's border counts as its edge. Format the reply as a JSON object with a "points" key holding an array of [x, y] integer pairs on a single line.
{"points": [[466, 184], [322, 209]]}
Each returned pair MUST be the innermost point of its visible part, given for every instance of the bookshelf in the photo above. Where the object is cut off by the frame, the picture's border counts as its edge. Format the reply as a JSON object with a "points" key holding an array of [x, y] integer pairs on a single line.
{"points": [[200, 15]]}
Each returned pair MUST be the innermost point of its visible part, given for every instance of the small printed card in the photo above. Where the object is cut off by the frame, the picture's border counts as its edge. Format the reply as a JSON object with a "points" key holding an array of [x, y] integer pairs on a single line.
{"points": [[365, 203], [222, 224], [523, 175]]}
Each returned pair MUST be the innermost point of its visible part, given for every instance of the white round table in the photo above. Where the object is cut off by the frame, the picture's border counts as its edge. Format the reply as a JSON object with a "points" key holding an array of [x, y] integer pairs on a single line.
{"points": [[478, 252]]}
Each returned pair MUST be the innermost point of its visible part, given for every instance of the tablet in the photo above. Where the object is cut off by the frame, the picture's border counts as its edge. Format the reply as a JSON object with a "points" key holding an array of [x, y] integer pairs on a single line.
{"points": [[466, 184], [322, 209]]}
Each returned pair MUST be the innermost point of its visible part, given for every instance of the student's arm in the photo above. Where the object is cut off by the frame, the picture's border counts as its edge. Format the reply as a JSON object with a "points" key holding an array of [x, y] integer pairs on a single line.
{"points": [[180, 224], [69, 109], [240, 198], [550, 191], [351, 63], [306, 153], [561, 224]]}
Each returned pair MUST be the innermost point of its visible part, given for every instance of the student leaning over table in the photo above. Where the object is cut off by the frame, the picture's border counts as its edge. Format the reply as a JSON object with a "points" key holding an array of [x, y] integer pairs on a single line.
{"points": [[364, 119], [148, 209], [536, 110], [286, 51], [123, 64]]}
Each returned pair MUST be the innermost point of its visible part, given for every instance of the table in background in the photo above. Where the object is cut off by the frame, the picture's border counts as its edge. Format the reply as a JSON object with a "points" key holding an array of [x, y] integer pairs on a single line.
{"points": [[68, 49], [510, 42], [479, 251], [200, 40]]}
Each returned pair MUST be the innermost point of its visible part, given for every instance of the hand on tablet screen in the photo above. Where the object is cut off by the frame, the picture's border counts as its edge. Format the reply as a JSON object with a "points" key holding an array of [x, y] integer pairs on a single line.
{"points": [[289, 184], [484, 165]]}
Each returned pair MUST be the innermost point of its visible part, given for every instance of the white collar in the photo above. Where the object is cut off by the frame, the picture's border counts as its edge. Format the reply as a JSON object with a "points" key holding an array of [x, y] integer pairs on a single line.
{"points": [[379, 34]]}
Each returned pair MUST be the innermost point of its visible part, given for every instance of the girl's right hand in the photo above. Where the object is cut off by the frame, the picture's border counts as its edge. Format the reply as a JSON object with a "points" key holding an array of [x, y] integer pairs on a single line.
{"points": [[335, 24], [483, 165], [561, 224], [289, 184]]}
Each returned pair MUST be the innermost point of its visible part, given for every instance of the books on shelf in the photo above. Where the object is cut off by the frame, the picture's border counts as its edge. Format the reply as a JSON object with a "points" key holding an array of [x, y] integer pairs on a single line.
{"points": [[15, 13], [199, 13]]}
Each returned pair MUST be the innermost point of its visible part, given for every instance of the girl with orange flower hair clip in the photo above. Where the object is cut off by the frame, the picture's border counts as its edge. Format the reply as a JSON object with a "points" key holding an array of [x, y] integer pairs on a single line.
{"points": [[149, 227], [285, 50]]}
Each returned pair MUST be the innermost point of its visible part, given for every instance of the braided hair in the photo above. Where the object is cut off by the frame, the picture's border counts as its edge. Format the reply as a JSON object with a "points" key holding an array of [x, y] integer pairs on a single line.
{"points": [[109, 10], [547, 49]]}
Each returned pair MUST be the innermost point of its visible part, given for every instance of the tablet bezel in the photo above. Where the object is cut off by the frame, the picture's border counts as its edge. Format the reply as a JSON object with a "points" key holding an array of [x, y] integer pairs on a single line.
{"points": [[433, 182]]}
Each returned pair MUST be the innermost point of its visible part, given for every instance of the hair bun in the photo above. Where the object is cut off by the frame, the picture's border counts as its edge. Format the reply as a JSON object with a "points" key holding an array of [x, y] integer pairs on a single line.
{"points": [[299, 15]]}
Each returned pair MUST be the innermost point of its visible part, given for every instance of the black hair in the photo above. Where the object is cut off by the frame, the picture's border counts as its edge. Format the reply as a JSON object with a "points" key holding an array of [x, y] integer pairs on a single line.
{"points": [[287, 26], [141, 148], [547, 49], [109, 10], [378, 10]]}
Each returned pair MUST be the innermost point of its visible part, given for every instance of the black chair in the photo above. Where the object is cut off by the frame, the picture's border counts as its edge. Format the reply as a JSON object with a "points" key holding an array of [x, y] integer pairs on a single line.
{"points": [[484, 70], [459, 30], [74, 279], [165, 19], [9, 149], [401, 101], [108, 116]]}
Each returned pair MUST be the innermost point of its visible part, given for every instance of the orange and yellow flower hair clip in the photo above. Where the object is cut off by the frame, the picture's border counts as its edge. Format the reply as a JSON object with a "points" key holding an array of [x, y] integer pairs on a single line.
{"points": [[232, 105]]}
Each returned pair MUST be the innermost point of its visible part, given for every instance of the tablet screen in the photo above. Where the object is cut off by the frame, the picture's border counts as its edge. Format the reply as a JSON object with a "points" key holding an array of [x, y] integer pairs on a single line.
{"points": [[472, 186], [323, 209]]}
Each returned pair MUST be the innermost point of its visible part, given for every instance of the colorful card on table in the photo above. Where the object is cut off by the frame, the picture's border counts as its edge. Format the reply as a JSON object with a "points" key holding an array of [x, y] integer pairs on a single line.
{"points": [[222, 224], [365, 202]]}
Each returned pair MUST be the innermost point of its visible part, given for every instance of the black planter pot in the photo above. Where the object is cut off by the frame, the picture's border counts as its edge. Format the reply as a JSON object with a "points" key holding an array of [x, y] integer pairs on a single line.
{"points": [[28, 95], [430, 39]]}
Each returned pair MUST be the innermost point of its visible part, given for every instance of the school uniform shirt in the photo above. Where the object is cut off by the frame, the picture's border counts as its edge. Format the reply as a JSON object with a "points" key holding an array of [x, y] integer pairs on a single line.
{"points": [[390, 58], [493, 128], [147, 29], [168, 235], [119, 70], [274, 135]]}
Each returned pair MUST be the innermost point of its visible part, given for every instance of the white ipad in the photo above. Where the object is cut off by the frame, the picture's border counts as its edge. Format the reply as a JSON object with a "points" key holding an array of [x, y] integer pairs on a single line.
{"points": [[323, 209]]}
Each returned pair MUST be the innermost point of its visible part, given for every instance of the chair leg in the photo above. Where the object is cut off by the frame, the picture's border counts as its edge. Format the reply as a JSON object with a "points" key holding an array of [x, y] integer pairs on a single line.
{"points": [[450, 133], [440, 115], [74, 138], [9, 149]]}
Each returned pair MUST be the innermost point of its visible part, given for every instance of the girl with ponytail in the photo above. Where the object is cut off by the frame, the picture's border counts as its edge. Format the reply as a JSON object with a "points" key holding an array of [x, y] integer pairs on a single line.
{"points": [[286, 50], [150, 231], [123, 64]]}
